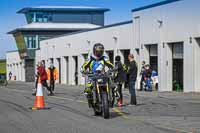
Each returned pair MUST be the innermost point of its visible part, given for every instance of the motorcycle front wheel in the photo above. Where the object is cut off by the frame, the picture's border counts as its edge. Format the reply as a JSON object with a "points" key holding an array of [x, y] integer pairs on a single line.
{"points": [[105, 107]]}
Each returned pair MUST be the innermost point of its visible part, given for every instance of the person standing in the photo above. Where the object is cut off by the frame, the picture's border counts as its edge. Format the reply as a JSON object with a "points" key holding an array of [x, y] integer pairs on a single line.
{"points": [[52, 75], [10, 75], [132, 76], [43, 77], [147, 77], [119, 78], [142, 75], [36, 79]]}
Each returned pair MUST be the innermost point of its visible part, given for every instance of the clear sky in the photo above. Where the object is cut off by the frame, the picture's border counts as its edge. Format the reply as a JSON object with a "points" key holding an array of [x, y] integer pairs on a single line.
{"points": [[9, 19]]}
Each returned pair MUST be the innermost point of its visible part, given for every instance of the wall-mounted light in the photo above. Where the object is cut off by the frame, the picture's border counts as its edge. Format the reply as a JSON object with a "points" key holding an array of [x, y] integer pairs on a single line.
{"points": [[115, 39], [160, 23], [88, 42], [68, 45]]}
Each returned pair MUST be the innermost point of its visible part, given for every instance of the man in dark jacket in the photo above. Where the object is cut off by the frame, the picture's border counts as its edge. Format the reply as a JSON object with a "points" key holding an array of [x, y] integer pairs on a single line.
{"points": [[132, 76], [120, 77], [52, 75], [43, 77]]}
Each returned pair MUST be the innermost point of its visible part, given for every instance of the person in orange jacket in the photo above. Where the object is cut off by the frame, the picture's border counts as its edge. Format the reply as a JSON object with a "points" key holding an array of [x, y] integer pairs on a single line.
{"points": [[52, 76]]}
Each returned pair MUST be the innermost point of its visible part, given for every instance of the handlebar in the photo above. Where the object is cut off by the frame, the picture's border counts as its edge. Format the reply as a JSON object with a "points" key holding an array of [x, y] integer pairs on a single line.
{"points": [[107, 74]]}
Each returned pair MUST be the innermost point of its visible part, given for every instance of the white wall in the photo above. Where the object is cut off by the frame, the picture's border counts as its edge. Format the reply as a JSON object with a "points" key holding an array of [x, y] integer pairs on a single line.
{"points": [[81, 43], [180, 22], [15, 65]]}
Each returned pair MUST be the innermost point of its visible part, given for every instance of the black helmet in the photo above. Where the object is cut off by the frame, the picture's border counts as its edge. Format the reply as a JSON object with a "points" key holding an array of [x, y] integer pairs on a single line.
{"points": [[98, 50], [117, 58]]}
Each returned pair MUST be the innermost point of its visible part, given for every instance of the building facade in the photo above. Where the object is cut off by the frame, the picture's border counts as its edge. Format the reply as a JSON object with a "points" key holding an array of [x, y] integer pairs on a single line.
{"points": [[46, 22], [71, 50], [166, 35], [15, 66]]}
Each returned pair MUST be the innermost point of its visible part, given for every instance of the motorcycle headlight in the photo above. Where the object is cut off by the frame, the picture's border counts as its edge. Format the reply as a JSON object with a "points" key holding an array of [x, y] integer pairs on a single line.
{"points": [[100, 80]]}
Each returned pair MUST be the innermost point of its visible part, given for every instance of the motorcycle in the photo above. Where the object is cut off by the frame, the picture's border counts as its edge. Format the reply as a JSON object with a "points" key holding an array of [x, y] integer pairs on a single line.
{"points": [[3, 81], [100, 98]]}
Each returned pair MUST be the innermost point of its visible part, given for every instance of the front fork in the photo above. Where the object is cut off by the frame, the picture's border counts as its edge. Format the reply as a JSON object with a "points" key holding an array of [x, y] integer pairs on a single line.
{"points": [[107, 91]]}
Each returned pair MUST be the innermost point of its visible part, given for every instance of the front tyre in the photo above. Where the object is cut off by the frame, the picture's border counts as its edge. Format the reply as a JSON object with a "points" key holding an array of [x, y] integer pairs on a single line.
{"points": [[5, 83], [105, 108], [90, 100]]}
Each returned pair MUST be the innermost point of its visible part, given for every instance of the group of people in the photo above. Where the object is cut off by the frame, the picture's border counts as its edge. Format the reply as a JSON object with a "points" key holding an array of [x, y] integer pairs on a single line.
{"points": [[50, 75], [121, 74], [147, 75], [126, 75], [98, 59]]}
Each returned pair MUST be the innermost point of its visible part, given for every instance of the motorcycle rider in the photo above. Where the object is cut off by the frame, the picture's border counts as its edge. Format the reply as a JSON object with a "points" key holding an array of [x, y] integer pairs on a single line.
{"points": [[95, 61]]}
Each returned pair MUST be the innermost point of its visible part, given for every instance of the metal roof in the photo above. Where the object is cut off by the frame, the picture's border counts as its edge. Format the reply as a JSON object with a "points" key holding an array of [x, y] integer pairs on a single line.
{"points": [[54, 27], [155, 5], [63, 9], [87, 30]]}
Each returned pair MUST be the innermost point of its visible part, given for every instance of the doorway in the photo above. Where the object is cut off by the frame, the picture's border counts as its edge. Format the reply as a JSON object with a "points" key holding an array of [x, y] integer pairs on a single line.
{"points": [[110, 56], [125, 53], [44, 63], [76, 70], [67, 69], [51, 60], [85, 56], [153, 57], [29, 70], [59, 70], [177, 66]]}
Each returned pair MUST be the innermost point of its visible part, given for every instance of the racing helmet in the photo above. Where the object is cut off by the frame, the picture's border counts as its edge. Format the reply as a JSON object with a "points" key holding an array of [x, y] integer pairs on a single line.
{"points": [[118, 58], [98, 50]]}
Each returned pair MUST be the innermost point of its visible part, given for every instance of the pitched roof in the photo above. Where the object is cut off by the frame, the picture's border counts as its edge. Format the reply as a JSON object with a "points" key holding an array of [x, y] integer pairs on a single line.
{"points": [[98, 28]]}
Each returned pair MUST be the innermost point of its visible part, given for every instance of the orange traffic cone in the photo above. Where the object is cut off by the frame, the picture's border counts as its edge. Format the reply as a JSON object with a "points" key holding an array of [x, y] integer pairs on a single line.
{"points": [[39, 99]]}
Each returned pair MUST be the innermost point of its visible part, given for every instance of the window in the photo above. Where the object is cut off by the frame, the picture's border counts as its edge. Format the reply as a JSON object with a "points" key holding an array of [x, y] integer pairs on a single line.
{"points": [[178, 51], [43, 17], [31, 42], [39, 17], [29, 17], [43, 38]]}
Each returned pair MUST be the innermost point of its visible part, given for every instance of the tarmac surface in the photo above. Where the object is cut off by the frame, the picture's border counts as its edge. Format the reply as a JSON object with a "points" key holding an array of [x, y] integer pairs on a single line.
{"points": [[156, 112]]}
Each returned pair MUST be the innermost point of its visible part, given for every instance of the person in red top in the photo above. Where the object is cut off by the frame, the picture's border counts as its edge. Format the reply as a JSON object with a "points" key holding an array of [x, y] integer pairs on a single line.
{"points": [[43, 76]]}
